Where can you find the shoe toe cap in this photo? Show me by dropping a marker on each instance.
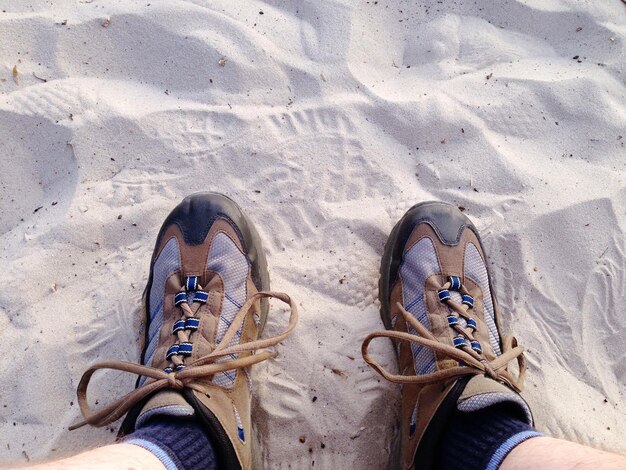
(197, 212)
(447, 220)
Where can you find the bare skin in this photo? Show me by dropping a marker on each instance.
(547, 452)
(112, 457)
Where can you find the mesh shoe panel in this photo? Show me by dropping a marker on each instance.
(232, 265)
(165, 265)
(419, 263)
(476, 270)
(485, 400)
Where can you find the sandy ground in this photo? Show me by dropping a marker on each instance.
(325, 121)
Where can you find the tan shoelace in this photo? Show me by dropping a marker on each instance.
(475, 363)
(186, 378)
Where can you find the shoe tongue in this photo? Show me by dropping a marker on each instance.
(168, 403)
(482, 392)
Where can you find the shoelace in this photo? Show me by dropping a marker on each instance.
(187, 376)
(466, 350)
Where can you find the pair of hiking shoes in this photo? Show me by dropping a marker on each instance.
(206, 304)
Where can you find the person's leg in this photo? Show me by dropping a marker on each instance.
(162, 442)
(178, 442)
(495, 438)
(111, 457)
(557, 454)
(461, 406)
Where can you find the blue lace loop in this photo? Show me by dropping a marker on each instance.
(468, 300)
(171, 351)
(459, 342)
(444, 294)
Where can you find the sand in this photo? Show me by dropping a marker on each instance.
(325, 121)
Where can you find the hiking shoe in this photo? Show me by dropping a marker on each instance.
(438, 307)
(205, 306)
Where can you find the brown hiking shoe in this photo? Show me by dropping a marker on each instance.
(205, 306)
(438, 306)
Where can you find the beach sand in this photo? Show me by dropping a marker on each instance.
(325, 121)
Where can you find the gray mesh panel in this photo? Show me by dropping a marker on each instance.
(476, 270)
(419, 263)
(484, 400)
(168, 410)
(227, 259)
(165, 265)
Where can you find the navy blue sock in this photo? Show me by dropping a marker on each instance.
(178, 442)
(481, 439)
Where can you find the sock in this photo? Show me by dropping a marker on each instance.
(178, 442)
(481, 439)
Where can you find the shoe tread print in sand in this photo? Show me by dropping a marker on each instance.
(206, 307)
(437, 304)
